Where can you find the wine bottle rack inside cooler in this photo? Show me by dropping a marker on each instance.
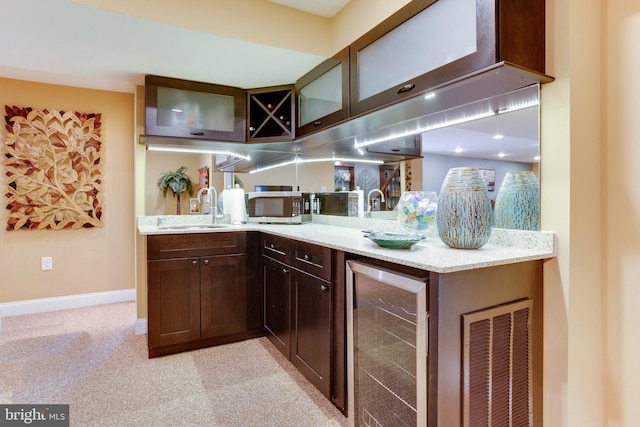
(387, 338)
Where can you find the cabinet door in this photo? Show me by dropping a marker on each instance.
(277, 288)
(311, 329)
(187, 109)
(223, 295)
(423, 45)
(323, 95)
(173, 301)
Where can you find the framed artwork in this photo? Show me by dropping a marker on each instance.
(203, 177)
(53, 164)
(489, 176)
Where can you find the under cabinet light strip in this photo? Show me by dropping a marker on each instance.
(323, 159)
(199, 150)
(508, 109)
(426, 129)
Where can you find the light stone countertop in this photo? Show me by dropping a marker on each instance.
(345, 234)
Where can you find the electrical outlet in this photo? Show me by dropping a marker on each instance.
(47, 263)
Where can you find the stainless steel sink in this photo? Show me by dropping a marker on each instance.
(192, 226)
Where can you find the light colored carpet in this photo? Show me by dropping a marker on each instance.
(91, 359)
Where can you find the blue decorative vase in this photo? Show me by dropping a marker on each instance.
(464, 215)
(518, 202)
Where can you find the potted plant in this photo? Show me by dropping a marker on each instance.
(178, 182)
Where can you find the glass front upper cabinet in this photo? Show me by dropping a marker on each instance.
(185, 109)
(323, 95)
(429, 43)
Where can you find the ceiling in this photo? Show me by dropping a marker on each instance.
(67, 43)
(63, 42)
(326, 8)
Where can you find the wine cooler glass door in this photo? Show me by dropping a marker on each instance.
(387, 354)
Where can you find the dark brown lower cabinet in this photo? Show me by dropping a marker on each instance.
(484, 338)
(197, 291)
(485, 347)
(311, 310)
(223, 308)
(298, 305)
(277, 290)
(174, 301)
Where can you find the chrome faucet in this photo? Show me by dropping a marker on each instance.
(202, 190)
(213, 204)
(369, 201)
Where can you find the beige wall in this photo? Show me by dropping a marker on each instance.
(590, 148)
(571, 177)
(85, 260)
(621, 213)
(308, 176)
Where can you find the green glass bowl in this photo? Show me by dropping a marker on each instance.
(391, 240)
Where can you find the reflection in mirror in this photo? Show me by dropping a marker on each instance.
(498, 144)
(506, 140)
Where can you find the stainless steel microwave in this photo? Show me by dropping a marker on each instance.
(341, 203)
(279, 207)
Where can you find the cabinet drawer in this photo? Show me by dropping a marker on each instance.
(196, 244)
(311, 258)
(276, 247)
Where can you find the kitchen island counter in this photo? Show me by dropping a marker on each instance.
(345, 234)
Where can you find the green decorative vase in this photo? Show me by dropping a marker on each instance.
(465, 216)
(518, 202)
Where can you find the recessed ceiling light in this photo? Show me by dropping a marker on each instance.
(501, 154)
(458, 150)
(498, 136)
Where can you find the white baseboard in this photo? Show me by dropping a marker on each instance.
(62, 303)
(141, 326)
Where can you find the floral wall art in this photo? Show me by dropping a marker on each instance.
(53, 167)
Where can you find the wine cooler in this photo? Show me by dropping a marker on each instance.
(387, 338)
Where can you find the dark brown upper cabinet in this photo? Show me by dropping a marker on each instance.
(323, 95)
(194, 110)
(271, 114)
(430, 43)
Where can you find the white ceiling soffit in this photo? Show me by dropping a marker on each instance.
(61, 42)
(326, 8)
